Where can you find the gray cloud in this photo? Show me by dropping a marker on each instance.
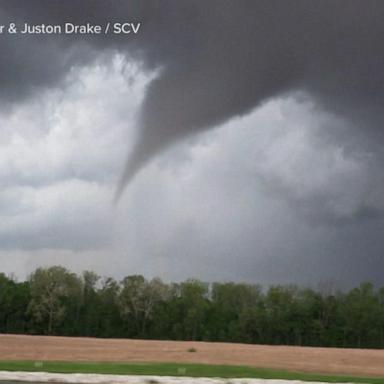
(217, 60)
(319, 172)
(60, 153)
(244, 204)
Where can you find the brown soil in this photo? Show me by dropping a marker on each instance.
(320, 360)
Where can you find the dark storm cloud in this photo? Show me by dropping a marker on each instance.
(216, 60)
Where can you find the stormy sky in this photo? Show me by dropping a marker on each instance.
(227, 140)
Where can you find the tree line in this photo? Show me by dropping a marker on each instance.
(56, 301)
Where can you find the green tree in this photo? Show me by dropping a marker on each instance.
(190, 308)
(49, 289)
(138, 298)
(110, 323)
(361, 312)
(90, 304)
(229, 303)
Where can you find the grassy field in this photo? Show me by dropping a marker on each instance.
(170, 369)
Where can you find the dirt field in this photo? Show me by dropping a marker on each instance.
(320, 360)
